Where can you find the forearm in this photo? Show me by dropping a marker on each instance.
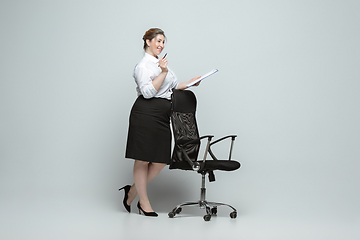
(158, 81)
(182, 85)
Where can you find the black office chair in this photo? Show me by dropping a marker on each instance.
(186, 150)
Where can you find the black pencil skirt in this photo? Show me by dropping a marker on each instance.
(149, 134)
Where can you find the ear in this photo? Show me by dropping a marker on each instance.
(148, 42)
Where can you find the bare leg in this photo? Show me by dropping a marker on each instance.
(140, 178)
(154, 169)
(144, 172)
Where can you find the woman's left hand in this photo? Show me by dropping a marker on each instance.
(194, 79)
(183, 85)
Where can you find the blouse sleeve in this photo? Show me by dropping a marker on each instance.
(143, 78)
(174, 83)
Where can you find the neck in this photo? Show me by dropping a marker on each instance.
(150, 53)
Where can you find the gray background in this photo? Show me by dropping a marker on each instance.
(287, 85)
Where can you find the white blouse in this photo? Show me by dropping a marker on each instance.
(146, 71)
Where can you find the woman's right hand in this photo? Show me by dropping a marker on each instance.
(163, 64)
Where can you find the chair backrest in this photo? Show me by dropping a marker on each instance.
(184, 125)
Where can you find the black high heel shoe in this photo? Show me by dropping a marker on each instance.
(149, 214)
(126, 189)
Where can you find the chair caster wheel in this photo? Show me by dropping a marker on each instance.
(214, 211)
(171, 214)
(178, 210)
(207, 217)
(233, 214)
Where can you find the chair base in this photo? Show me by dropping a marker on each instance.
(210, 207)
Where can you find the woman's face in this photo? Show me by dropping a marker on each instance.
(156, 45)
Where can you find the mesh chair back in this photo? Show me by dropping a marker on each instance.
(184, 125)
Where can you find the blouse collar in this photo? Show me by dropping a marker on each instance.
(152, 58)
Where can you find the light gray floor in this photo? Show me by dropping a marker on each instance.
(81, 217)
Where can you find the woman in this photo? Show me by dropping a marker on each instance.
(149, 135)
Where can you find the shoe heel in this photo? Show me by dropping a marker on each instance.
(126, 190)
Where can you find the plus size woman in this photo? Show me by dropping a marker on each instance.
(149, 134)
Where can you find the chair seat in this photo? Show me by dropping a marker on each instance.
(223, 165)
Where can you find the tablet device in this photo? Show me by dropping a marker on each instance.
(202, 77)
